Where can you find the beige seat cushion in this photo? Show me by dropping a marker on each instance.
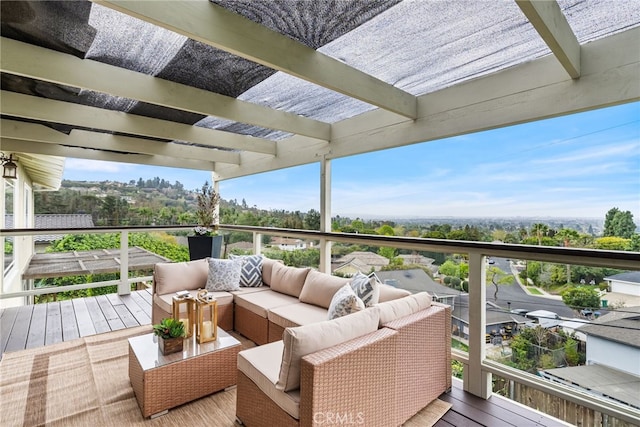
(389, 293)
(170, 277)
(262, 365)
(395, 309)
(303, 340)
(261, 302)
(165, 302)
(288, 280)
(319, 288)
(297, 315)
(249, 290)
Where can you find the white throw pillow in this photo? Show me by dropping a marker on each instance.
(224, 275)
(307, 339)
(366, 288)
(344, 302)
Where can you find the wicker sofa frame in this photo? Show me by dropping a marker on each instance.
(379, 379)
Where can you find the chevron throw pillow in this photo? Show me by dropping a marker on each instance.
(251, 272)
(366, 288)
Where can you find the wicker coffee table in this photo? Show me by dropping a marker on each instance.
(163, 382)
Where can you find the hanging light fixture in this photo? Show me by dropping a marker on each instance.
(9, 167)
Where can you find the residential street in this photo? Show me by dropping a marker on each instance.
(520, 299)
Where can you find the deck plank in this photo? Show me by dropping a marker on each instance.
(18, 338)
(142, 302)
(98, 320)
(69, 321)
(53, 331)
(36, 337)
(125, 315)
(113, 319)
(136, 311)
(509, 416)
(83, 318)
(6, 325)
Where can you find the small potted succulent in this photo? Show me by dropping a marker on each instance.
(206, 242)
(170, 333)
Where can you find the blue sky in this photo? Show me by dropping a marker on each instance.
(574, 166)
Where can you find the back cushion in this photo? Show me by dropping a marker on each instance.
(288, 280)
(307, 339)
(395, 309)
(267, 269)
(388, 292)
(177, 276)
(319, 288)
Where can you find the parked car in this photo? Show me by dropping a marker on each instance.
(542, 314)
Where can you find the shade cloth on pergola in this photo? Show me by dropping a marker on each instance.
(59, 264)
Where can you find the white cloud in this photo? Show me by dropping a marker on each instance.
(93, 166)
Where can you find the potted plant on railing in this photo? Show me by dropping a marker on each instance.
(206, 242)
(170, 333)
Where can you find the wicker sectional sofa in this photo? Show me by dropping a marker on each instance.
(375, 367)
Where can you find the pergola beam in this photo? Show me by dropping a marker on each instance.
(22, 146)
(38, 63)
(216, 26)
(48, 110)
(104, 141)
(549, 21)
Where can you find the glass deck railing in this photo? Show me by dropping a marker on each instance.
(481, 348)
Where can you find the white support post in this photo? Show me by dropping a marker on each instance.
(476, 381)
(215, 183)
(257, 243)
(325, 214)
(123, 287)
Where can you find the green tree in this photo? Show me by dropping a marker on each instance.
(581, 297)
(312, 220)
(634, 243)
(539, 230)
(497, 277)
(612, 243)
(449, 268)
(619, 224)
(567, 236)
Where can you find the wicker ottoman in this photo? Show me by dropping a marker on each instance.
(164, 382)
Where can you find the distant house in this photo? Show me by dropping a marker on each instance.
(625, 283)
(288, 244)
(614, 340)
(364, 262)
(612, 369)
(416, 259)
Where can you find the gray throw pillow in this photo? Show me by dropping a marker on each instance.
(251, 272)
(366, 288)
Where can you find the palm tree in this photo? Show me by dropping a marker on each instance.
(567, 235)
(539, 230)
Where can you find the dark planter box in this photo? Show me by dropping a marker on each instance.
(170, 345)
(204, 247)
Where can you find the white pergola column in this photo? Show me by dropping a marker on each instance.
(123, 287)
(325, 214)
(476, 381)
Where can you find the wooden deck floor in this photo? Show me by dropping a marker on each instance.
(43, 324)
(36, 325)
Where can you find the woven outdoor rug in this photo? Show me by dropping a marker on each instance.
(85, 382)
